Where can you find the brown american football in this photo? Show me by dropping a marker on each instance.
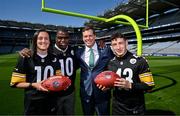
(106, 78)
(56, 83)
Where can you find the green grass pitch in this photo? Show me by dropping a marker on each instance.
(164, 99)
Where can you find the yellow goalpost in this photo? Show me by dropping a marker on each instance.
(129, 20)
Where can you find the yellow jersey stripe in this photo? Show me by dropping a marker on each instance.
(147, 78)
(18, 74)
(145, 74)
(16, 79)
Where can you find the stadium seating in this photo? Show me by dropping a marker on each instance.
(166, 19)
(172, 49)
(160, 38)
(17, 49)
(5, 49)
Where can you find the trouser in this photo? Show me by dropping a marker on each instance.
(65, 104)
(43, 106)
(119, 108)
(89, 107)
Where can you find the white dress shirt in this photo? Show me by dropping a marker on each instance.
(87, 54)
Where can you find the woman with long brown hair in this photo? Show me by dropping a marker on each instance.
(30, 72)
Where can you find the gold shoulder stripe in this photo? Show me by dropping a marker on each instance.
(15, 79)
(145, 74)
(147, 78)
(150, 83)
(18, 74)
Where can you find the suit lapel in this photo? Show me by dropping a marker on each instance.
(82, 55)
(100, 55)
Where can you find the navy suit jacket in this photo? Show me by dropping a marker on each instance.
(88, 89)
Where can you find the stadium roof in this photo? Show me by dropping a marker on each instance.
(133, 8)
(31, 26)
(137, 10)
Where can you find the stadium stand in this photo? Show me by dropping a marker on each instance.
(156, 47)
(162, 36)
(172, 49)
(5, 49)
(17, 35)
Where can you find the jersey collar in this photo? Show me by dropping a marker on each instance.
(61, 49)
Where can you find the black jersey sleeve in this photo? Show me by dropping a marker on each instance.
(19, 73)
(111, 66)
(145, 76)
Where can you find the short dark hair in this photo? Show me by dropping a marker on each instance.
(117, 35)
(64, 30)
(89, 28)
(34, 41)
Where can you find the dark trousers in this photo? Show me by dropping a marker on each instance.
(89, 107)
(121, 109)
(44, 106)
(65, 104)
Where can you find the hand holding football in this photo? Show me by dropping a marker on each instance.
(106, 78)
(56, 83)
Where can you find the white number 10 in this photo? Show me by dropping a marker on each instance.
(46, 70)
(67, 66)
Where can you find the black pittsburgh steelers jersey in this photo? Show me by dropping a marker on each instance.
(68, 65)
(35, 69)
(136, 70)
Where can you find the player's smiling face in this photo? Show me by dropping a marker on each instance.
(62, 39)
(89, 38)
(43, 41)
(119, 46)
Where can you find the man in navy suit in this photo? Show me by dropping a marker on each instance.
(93, 60)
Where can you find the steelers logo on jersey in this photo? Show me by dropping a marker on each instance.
(133, 61)
(72, 52)
(54, 60)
